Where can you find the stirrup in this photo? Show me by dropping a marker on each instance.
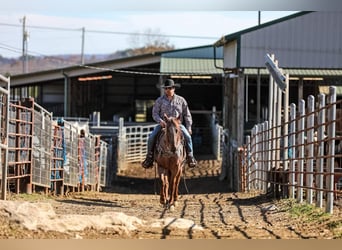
(148, 162)
(192, 162)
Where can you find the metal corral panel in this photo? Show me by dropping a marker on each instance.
(41, 148)
(313, 40)
(70, 155)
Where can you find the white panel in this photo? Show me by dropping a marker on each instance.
(230, 55)
(313, 40)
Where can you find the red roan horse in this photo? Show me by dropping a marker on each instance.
(170, 156)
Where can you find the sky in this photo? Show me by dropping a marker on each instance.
(55, 27)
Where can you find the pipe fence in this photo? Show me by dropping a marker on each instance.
(300, 158)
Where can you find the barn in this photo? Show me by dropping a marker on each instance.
(309, 49)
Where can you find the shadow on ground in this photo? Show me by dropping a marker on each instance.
(199, 185)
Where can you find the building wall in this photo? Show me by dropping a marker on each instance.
(313, 40)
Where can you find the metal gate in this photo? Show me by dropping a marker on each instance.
(132, 140)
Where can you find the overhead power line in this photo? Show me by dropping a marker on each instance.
(109, 32)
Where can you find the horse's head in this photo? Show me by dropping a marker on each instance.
(173, 132)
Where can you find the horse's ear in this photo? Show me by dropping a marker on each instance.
(177, 115)
(166, 117)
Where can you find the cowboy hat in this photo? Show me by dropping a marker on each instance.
(170, 83)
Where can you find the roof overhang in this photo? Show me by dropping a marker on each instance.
(81, 70)
(298, 72)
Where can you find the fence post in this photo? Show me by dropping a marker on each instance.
(301, 125)
(330, 161)
(266, 154)
(292, 151)
(253, 157)
(249, 162)
(263, 157)
(310, 145)
(320, 153)
(122, 144)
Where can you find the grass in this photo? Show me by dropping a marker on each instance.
(311, 214)
(29, 197)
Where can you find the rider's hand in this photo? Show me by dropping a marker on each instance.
(162, 123)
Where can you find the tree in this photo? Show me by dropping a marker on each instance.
(148, 42)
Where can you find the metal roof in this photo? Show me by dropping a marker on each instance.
(195, 61)
(190, 66)
(298, 72)
(79, 70)
(235, 36)
(305, 40)
(195, 52)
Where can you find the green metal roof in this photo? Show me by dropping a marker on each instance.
(190, 66)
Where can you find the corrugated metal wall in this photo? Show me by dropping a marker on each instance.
(313, 40)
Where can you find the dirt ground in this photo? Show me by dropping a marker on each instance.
(206, 210)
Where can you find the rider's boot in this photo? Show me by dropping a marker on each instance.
(191, 161)
(148, 162)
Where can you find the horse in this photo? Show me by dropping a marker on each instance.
(170, 156)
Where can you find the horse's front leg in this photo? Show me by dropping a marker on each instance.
(164, 190)
(174, 189)
(177, 181)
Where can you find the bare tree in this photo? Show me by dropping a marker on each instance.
(149, 41)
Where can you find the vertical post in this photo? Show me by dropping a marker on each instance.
(292, 150)
(310, 147)
(274, 124)
(301, 127)
(266, 154)
(258, 81)
(4, 140)
(263, 158)
(258, 96)
(320, 153)
(330, 161)
(122, 147)
(82, 52)
(253, 158)
(247, 99)
(286, 137)
(24, 44)
(270, 118)
(278, 126)
(257, 156)
(286, 124)
(249, 162)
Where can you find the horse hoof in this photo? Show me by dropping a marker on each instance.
(175, 203)
(172, 208)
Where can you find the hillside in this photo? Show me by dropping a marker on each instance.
(14, 66)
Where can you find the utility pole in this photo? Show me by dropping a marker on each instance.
(258, 82)
(82, 52)
(25, 40)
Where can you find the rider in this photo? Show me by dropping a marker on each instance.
(171, 105)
